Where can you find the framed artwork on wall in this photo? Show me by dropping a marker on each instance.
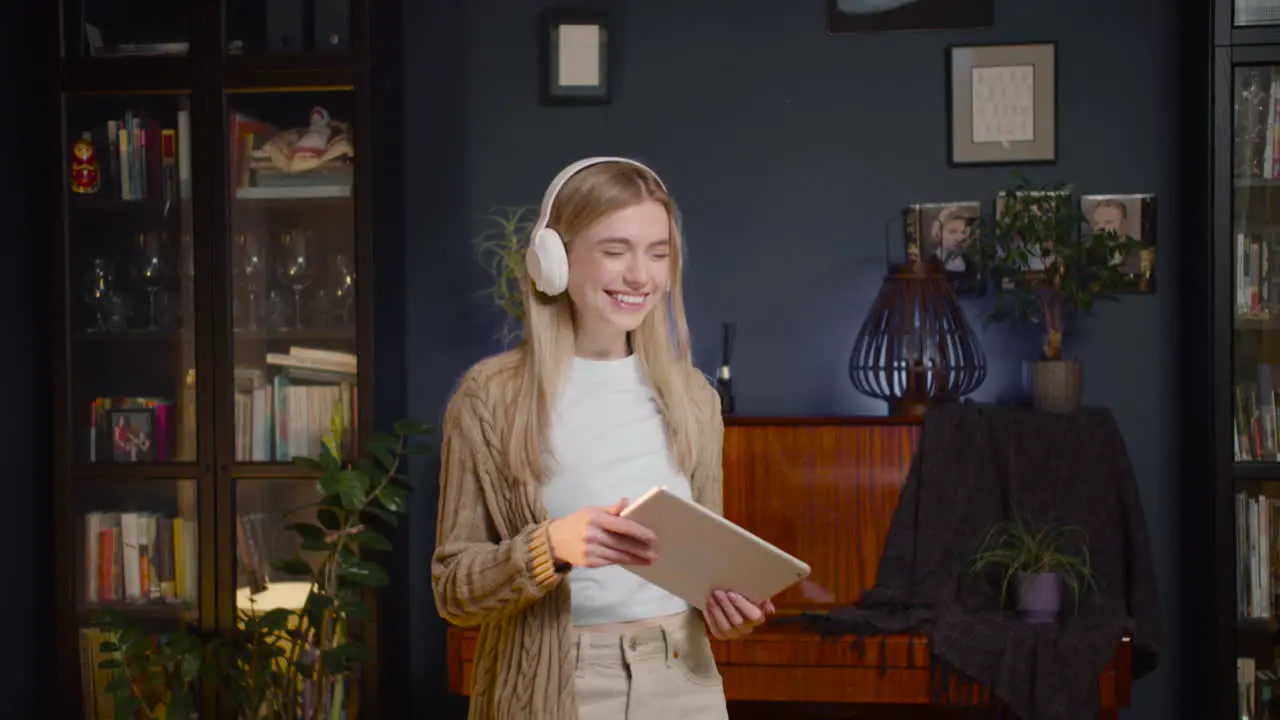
(1132, 217)
(573, 62)
(1002, 104)
(866, 16)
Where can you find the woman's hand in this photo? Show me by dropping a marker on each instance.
(597, 536)
(731, 616)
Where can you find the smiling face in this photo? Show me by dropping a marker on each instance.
(619, 269)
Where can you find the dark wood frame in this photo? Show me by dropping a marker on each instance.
(548, 22)
(940, 15)
(950, 107)
(207, 74)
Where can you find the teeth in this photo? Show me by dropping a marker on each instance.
(628, 299)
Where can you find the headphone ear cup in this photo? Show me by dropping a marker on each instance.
(547, 262)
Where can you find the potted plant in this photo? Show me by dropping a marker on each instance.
(1038, 562)
(290, 662)
(1047, 267)
(500, 248)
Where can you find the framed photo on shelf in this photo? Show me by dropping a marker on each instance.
(942, 230)
(1132, 216)
(132, 435)
(868, 16)
(1002, 103)
(573, 61)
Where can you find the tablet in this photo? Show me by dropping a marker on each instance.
(699, 551)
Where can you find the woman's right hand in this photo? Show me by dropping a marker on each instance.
(597, 536)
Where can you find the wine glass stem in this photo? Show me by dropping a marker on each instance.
(151, 306)
(297, 309)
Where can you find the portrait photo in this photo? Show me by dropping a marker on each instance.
(1040, 254)
(132, 434)
(1132, 217)
(942, 231)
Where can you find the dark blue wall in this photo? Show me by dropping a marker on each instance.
(789, 151)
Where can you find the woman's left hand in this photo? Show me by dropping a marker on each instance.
(731, 616)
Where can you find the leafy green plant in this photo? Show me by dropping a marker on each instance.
(291, 663)
(500, 248)
(1044, 265)
(1014, 546)
(151, 676)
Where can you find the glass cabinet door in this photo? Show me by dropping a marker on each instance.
(1255, 13)
(289, 27)
(293, 265)
(125, 28)
(131, 279)
(1255, 246)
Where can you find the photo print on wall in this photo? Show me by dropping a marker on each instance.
(942, 230)
(1131, 216)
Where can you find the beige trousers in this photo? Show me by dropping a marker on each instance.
(660, 672)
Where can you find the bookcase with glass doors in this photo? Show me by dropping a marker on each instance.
(211, 225)
(1230, 320)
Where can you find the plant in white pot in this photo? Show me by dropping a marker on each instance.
(1040, 563)
(1046, 268)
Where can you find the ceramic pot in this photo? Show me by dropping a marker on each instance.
(1054, 385)
(1039, 596)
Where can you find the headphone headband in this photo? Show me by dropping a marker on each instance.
(549, 198)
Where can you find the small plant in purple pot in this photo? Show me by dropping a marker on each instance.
(1038, 562)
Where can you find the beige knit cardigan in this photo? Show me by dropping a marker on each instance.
(492, 567)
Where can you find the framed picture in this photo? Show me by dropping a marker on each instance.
(864, 16)
(1003, 104)
(941, 231)
(573, 63)
(1040, 256)
(132, 434)
(1132, 216)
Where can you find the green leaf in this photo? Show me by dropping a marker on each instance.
(110, 664)
(394, 498)
(308, 464)
(385, 453)
(390, 518)
(363, 572)
(276, 619)
(294, 566)
(329, 518)
(371, 540)
(331, 482)
(335, 659)
(355, 609)
(411, 427)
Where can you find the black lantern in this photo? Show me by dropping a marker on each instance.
(915, 348)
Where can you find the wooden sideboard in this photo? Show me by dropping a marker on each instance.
(825, 490)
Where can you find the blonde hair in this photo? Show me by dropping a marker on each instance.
(661, 342)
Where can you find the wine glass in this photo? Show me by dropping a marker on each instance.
(250, 270)
(152, 268)
(344, 287)
(295, 268)
(99, 290)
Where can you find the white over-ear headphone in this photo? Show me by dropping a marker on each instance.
(546, 259)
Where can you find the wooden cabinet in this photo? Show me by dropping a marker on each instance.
(210, 235)
(825, 490)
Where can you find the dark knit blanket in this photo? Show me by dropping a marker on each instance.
(977, 465)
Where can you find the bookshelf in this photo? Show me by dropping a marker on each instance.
(211, 223)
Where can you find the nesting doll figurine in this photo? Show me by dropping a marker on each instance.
(86, 177)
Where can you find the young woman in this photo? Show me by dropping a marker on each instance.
(543, 446)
